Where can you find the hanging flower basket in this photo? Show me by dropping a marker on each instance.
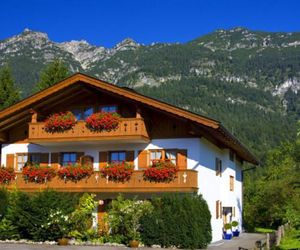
(161, 171)
(60, 122)
(75, 172)
(117, 171)
(38, 174)
(103, 121)
(6, 175)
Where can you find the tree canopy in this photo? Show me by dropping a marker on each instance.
(53, 73)
(9, 93)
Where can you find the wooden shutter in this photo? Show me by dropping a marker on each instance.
(10, 161)
(233, 211)
(221, 209)
(103, 159)
(44, 159)
(143, 159)
(217, 209)
(182, 158)
(218, 167)
(130, 157)
(78, 156)
(55, 160)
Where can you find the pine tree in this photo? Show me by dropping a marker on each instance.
(9, 94)
(53, 73)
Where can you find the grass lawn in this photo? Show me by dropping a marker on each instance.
(264, 230)
(291, 240)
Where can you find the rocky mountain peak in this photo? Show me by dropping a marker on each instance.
(127, 44)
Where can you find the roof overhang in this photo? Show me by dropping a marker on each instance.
(22, 109)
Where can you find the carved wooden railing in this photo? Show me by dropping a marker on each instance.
(186, 181)
(128, 128)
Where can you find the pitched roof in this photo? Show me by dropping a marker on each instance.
(214, 127)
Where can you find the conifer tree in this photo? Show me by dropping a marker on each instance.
(53, 73)
(9, 94)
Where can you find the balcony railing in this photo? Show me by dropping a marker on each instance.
(129, 128)
(186, 181)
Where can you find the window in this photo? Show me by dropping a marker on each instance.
(231, 183)
(231, 155)
(21, 161)
(35, 158)
(155, 155)
(68, 158)
(117, 156)
(109, 108)
(218, 167)
(83, 113)
(218, 209)
(171, 156)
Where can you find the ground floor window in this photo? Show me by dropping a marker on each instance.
(21, 161)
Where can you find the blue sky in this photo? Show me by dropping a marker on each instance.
(107, 22)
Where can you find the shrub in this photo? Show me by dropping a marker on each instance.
(103, 121)
(6, 175)
(41, 216)
(8, 231)
(60, 122)
(38, 174)
(182, 221)
(4, 196)
(161, 171)
(75, 172)
(118, 171)
(124, 218)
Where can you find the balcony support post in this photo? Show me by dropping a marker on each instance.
(138, 112)
(33, 116)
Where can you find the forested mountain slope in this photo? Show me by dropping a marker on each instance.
(249, 80)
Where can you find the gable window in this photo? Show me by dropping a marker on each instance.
(218, 167)
(83, 113)
(117, 156)
(68, 158)
(171, 156)
(231, 183)
(109, 108)
(21, 161)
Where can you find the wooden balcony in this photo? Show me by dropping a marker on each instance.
(186, 181)
(133, 129)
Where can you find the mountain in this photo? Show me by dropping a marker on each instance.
(250, 80)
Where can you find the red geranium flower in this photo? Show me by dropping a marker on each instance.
(38, 174)
(6, 175)
(103, 121)
(161, 171)
(118, 171)
(60, 122)
(75, 172)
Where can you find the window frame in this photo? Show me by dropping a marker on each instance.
(231, 183)
(61, 162)
(113, 152)
(19, 169)
(218, 166)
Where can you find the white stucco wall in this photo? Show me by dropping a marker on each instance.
(201, 157)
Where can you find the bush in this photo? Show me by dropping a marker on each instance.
(41, 216)
(182, 221)
(3, 202)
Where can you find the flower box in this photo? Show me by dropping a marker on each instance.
(75, 172)
(60, 122)
(117, 171)
(6, 175)
(161, 171)
(103, 121)
(38, 174)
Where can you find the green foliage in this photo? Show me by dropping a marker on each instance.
(8, 231)
(272, 193)
(291, 240)
(81, 218)
(234, 223)
(9, 94)
(124, 218)
(53, 73)
(41, 216)
(3, 202)
(182, 221)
